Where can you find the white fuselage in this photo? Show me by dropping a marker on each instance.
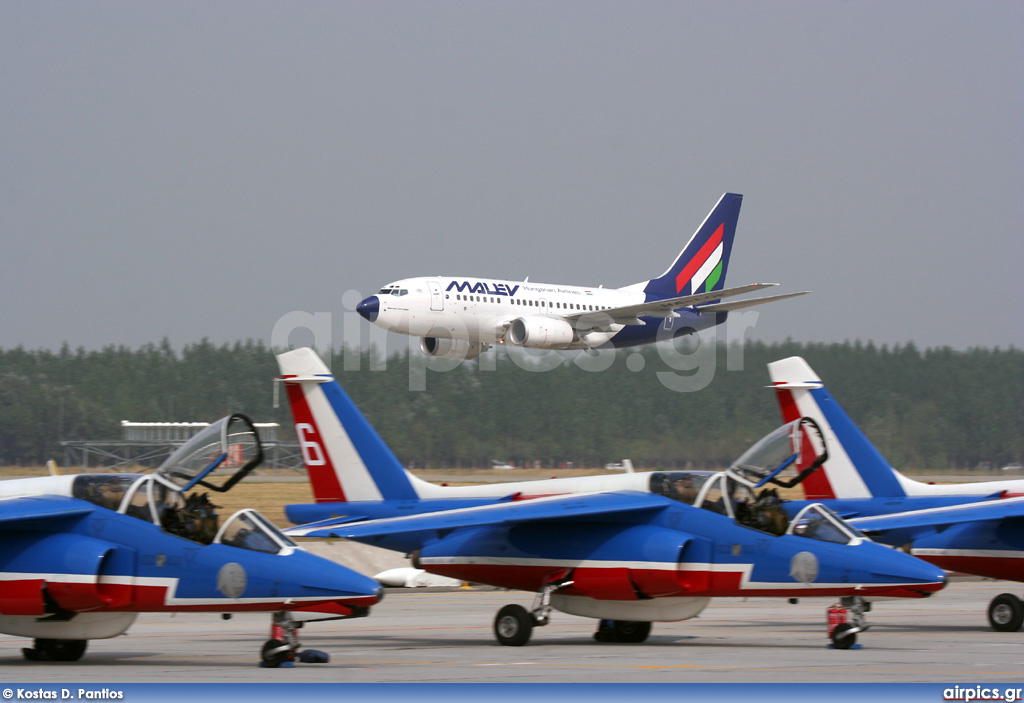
(479, 310)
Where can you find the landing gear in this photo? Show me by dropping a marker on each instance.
(1006, 613)
(514, 624)
(622, 631)
(282, 649)
(55, 650)
(846, 620)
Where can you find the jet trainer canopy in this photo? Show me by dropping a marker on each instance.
(797, 444)
(229, 443)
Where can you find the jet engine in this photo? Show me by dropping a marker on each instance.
(444, 348)
(541, 332)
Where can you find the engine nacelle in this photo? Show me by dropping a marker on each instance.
(89, 560)
(444, 348)
(539, 332)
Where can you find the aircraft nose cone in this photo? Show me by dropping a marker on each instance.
(369, 308)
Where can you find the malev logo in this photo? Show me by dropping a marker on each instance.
(482, 288)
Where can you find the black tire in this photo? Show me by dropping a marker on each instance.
(633, 632)
(513, 626)
(1006, 613)
(271, 660)
(839, 641)
(58, 650)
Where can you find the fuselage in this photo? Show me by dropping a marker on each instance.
(481, 311)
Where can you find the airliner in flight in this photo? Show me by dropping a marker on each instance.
(458, 318)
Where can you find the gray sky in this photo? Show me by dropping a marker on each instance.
(199, 169)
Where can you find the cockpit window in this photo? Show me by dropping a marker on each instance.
(104, 490)
(679, 485)
(137, 503)
(818, 522)
(714, 498)
(762, 511)
(247, 529)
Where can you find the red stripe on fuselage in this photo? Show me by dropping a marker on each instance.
(153, 599)
(697, 261)
(322, 477)
(720, 583)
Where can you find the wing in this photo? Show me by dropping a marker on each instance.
(916, 520)
(33, 511)
(630, 314)
(580, 505)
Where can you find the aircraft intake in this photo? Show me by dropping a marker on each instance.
(539, 332)
(444, 348)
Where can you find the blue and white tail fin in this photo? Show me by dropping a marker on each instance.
(855, 468)
(702, 264)
(345, 457)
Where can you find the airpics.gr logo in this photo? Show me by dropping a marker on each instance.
(705, 267)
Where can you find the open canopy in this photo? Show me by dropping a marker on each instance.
(217, 458)
(797, 445)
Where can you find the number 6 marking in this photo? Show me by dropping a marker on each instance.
(312, 452)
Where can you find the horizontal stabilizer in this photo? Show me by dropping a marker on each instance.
(628, 314)
(1005, 509)
(740, 304)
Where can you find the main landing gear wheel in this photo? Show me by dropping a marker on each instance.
(842, 638)
(513, 626)
(1006, 613)
(622, 631)
(56, 650)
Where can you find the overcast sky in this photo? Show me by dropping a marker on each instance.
(200, 169)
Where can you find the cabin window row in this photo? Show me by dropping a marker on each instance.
(529, 303)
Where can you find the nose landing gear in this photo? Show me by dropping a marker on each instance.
(845, 620)
(282, 649)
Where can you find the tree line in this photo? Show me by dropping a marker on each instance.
(932, 408)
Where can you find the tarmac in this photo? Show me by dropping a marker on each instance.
(438, 635)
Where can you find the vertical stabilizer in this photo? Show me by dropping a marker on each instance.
(855, 468)
(701, 265)
(345, 457)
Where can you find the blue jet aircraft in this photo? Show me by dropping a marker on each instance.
(975, 528)
(628, 550)
(83, 555)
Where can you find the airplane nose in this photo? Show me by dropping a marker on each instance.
(369, 308)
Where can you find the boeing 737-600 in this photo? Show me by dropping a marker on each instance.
(458, 318)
